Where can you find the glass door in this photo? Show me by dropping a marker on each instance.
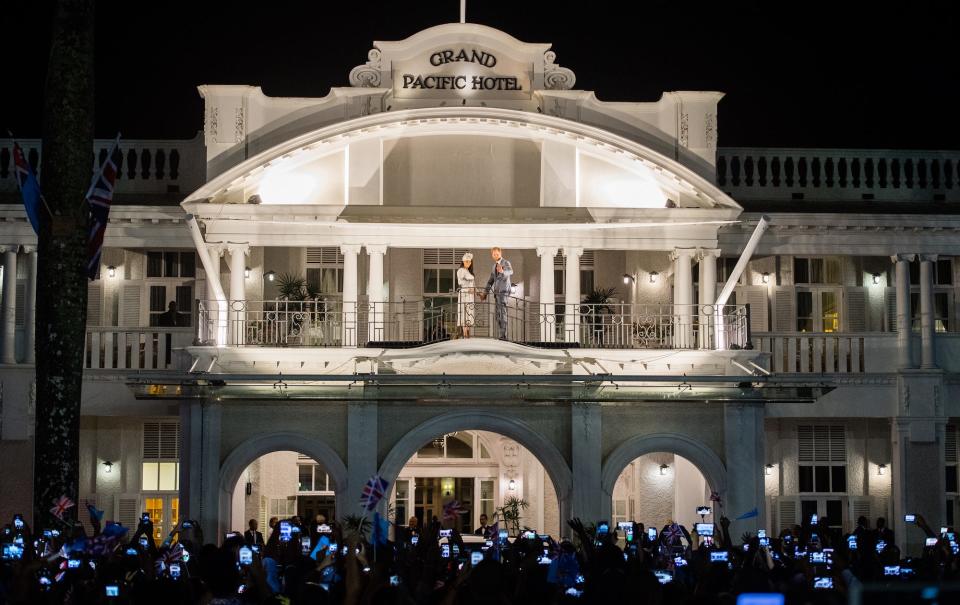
(164, 511)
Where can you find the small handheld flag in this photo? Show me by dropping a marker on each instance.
(452, 510)
(373, 492)
(60, 506)
(29, 187)
(715, 497)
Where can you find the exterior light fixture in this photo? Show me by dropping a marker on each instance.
(246, 272)
(876, 278)
(108, 466)
(765, 278)
(270, 275)
(663, 468)
(627, 279)
(112, 271)
(653, 277)
(512, 486)
(881, 469)
(767, 470)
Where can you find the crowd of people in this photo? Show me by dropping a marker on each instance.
(351, 562)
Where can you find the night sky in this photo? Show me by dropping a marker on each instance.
(796, 74)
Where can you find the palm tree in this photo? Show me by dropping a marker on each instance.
(595, 304)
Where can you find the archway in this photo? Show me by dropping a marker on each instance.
(694, 458)
(254, 448)
(542, 450)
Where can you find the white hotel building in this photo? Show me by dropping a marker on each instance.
(826, 382)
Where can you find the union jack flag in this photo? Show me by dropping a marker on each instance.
(60, 506)
(373, 492)
(451, 510)
(99, 198)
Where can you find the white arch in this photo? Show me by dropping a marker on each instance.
(546, 452)
(249, 450)
(477, 121)
(700, 455)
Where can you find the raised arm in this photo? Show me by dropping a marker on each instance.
(507, 268)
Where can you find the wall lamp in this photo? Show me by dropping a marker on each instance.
(765, 278)
(270, 275)
(768, 469)
(628, 279)
(881, 469)
(246, 272)
(663, 468)
(111, 271)
(876, 279)
(653, 277)
(108, 466)
(512, 485)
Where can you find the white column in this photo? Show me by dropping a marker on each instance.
(708, 295)
(29, 306)
(571, 296)
(904, 329)
(8, 313)
(377, 307)
(210, 304)
(928, 357)
(350, 294)
(586, 430)
(548, 320)
(237, 305)
(682, 298)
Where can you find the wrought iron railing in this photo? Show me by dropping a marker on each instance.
(335, 323)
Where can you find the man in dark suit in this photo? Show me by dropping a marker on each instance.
(252, 537)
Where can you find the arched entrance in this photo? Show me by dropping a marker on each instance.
(236, 463)
(457, 423)
(683, 458)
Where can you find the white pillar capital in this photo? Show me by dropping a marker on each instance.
(9, 248)
(350, 249)
(216, 249)
(928, 258)
(569, 252)
(29, 249)
(682, 253)
(903, 258)
(547, 251)
(708, 253)
(375, 248)
(234, 248)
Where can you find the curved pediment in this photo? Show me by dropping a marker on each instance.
(474, 157)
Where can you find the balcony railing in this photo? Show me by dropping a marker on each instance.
(335, 323)
(137, 348)
(773, 174)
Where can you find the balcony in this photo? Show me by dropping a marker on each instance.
(412, 323)
(152, 348)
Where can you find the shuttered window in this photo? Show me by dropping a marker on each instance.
(951, 456)
(324, 271)
(822, 458)
(160, 470)
(587, 260)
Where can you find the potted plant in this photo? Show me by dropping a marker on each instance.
(511, 513)
(593, 307)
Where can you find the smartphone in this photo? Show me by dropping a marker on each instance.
(132, 552)
(909, 518)
(475, 557)
(111, 591)
(719, 556)
(704, 529)
(881, 544)
(529, 535)
(332, 549)
(663, 576)
(305, 545)
(629, 533)
(679, 562)
(445, 551)
(761, 533)
(245, 555)
(18, 521)
(814, 519)
(323, 528)
(394, 580)
(931, 541)
(746, 547)
(47, 533)
(73, 564)
(285, 531)
(175, 571)
(852, 543)
(186, 525)
(603, 528)
(144, 542)
(652, 533)
(944, 530)
(573, 592)
(823, 583)
(446, 533)
(891, 570)
(414, 540)
(765, 542)
(456, 551)
(502, 535)
(145, 518)
(487, 545)
(818, 558)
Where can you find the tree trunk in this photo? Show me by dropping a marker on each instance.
(61, 276)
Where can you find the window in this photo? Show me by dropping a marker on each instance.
(171, 263)
(822, 459)
(941, 310)
(951, 456)
(816, 270)
(487, 498)
(439, 276)
(942, 272)
(162, 314)
(313, 478)
(160, 476)
(455, 445)
(401, 501)
(818, 310)
(160, 469)
(283, 507)
(325, 271)
(725, 266)
(586, 274)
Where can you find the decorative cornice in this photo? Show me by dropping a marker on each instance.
(554, 76)
(368, 74)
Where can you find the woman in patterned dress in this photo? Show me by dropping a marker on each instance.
(466, 284)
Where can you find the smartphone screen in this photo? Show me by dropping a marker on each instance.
(285, 531)
(475, 557)
(910, 518)
(305, 545)
(446, 533)
(245, 555)
(111, 591)
(445, 551)
(174, 570)
(414, 540)
(652, 533)
(603, 528)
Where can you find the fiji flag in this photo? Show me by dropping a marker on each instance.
(29, 187)
(99, 198)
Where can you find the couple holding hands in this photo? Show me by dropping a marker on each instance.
(499, 283)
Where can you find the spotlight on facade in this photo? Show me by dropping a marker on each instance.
(768, 470)
(876, 279)
(246, 272)
(270, 275)
(107, 466)
(653, 277)
(663, 468)
(881, 469)
(512, 485)
(112, 271)
(627, 279)
(766, 277)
